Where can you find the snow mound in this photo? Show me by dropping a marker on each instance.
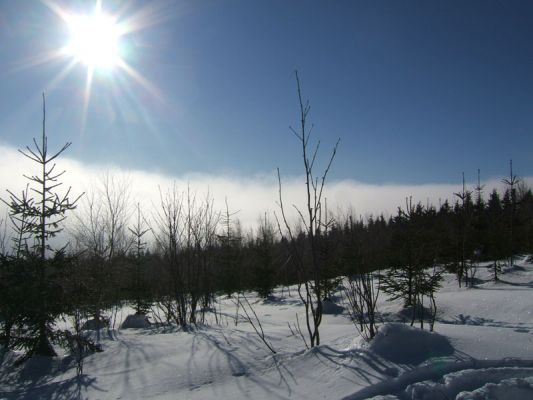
(508, 389)
(136, 321)
(329, 307)
(404, 344)
(477, 384)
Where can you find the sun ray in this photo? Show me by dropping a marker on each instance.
(121, 86)
(145, 83)
(38, 60)
(86, 99)
(62, 75)
(56, 9)
(150, 15)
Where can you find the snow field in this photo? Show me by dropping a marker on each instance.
(482, 348)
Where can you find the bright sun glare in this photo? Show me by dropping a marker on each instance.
(94, 40)
(97, 40)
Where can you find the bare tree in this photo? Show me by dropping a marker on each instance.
(101, 234)
(363, 288)
(168, 231)
(313, 219)
(198, 235)
(115, 194)
(203, 229)
(185, 234)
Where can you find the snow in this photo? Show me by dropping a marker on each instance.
(508, 389)
(474, 384)
(482, 348)
(416, 345)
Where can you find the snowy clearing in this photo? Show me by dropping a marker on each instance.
(482, 348)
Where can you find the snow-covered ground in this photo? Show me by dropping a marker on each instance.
(482, 349)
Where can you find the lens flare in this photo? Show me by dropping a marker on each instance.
(94, 40)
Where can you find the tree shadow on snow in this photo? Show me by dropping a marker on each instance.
(462, 319)
(229, 360)
(35, 380)
(68, 389)
(274, 300)
(356, 361)
(517, 284)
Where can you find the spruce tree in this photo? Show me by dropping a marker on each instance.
(40, 217)
(510, 203)
(495, 234)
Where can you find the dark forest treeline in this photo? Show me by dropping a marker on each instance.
(198, 254)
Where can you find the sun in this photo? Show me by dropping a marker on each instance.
(102, 43)
(94, 39)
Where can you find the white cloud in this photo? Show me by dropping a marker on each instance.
(250, 196)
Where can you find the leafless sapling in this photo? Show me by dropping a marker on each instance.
(313, 219)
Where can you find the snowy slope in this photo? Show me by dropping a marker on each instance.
(482, 348)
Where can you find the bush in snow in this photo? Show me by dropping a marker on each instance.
(136, 321)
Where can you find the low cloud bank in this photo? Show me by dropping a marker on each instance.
(250, 197)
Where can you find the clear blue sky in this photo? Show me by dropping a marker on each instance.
(417, 91)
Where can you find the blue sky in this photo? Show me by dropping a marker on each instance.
(417, 91)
